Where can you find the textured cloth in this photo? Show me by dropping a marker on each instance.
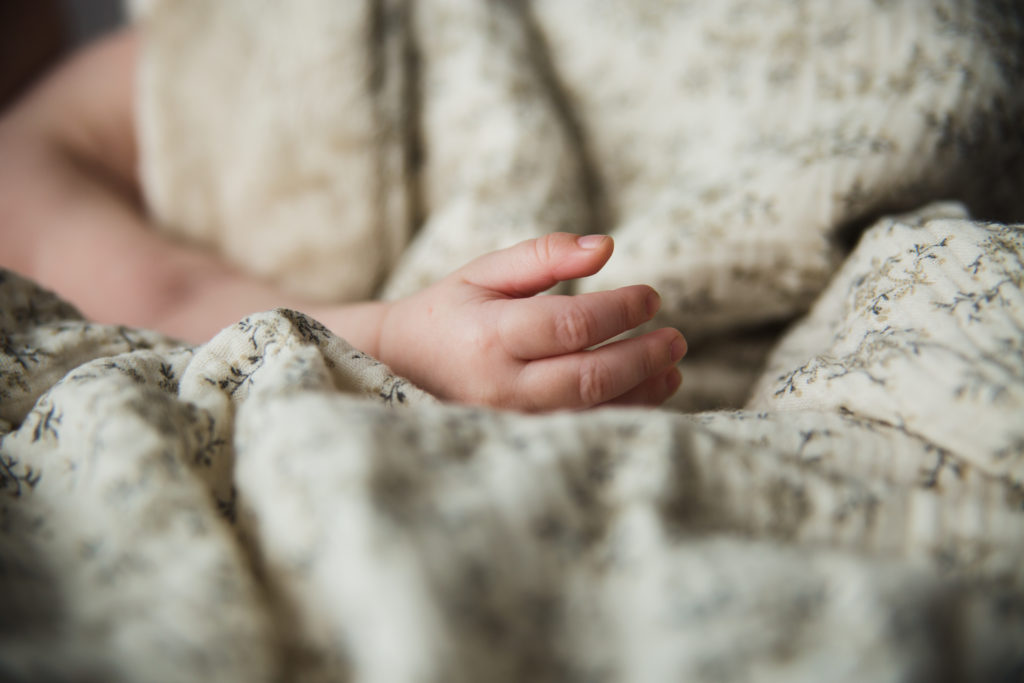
(276, 505)
(733, 148)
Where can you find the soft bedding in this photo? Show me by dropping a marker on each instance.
(836, 494)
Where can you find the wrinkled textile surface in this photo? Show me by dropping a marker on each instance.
(275, 505)
(733, 148)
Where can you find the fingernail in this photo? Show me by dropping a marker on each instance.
(678, 349)
(653, 303)
(591, 241)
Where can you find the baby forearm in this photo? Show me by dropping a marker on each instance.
(71, 220)
(67, 227)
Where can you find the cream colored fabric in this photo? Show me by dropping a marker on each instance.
(924, 331)
(265, 127)
(732, 148)
(275, 505)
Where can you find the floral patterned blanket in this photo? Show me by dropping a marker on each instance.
(836, 494)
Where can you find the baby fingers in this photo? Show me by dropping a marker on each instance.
(546, 326)
(588, 378)
(653, 391)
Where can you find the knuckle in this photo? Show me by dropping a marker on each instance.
(630, 310)
(476, 341)
(550, 248)
(574, 328)
(595, 381)
(655, 358)
(543, 249)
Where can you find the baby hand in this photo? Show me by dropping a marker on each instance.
(480, 335)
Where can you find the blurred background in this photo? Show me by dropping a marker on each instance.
(35, 34)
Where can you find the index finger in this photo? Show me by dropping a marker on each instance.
(535, 265)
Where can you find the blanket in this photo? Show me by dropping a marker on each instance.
(836, 494)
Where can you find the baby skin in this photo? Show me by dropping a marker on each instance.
(70, 218)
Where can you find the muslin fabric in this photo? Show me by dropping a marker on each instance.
(835, 493)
